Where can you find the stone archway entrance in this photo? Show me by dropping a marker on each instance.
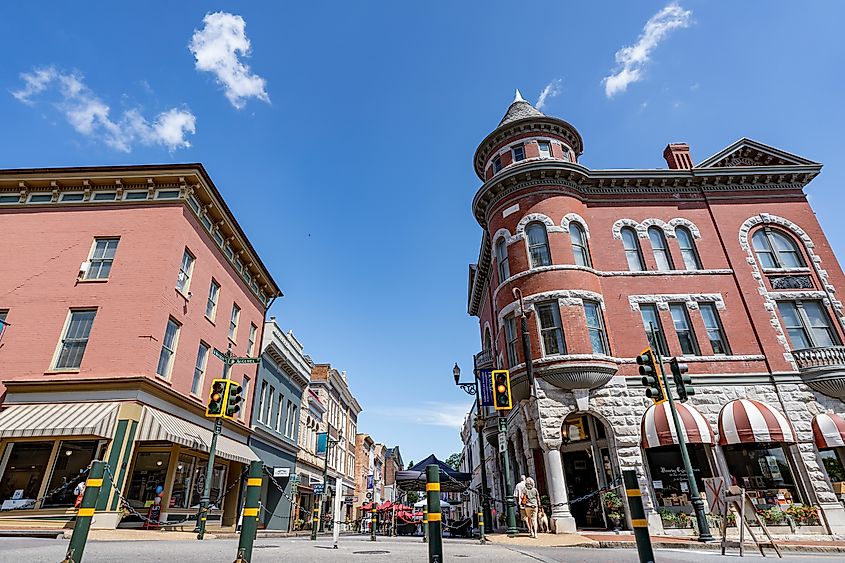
(588, 465)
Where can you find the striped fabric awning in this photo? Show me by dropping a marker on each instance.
(829, 430)
(58, 419)
(157, 425)
(746, 421)
(658, 428)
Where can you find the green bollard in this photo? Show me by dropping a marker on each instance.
(435, 533)
(638, 519)
(373, 523)
(251, 512)
(85, 513)
(481, 527)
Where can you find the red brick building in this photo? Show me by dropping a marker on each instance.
(116, 285)
(724, 257)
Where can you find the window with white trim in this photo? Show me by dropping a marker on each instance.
(807, 324)
(3, 314)
(101, 258)
(233, 322)
(262, 400)
(199, 368)
(688, 250)
(168, 349)
(595, 327)
(502, 260)
(279, 412)
(551, 333)
(245, 395)
(510, 340)
(213, 296)
(186, 268)
(269, 412)
(538, 244)
(660, 249)
(579, 244)
(633, 251)
(683, 327)
(75, 339)
(290, 420)
(497, 164)
(776, 249)
(652, 318)
(715, 330)
(518, 152)
(545, 148)
(250, 348)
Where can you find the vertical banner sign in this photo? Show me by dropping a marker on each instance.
(370, 481)
(486, 384)
(322, 443)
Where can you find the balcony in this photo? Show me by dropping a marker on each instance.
(575, 372)
(823, 369)
(484, 360)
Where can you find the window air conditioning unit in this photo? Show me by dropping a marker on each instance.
(83, 269)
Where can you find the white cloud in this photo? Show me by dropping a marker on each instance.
(427, 413)
(632, 59)
(90, 116)
(551, 90)
(217, 48)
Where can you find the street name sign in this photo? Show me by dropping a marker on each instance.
(245, 360)
(220, 354)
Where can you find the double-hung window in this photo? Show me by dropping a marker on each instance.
(497, 164)
(633, 252)
(518, 152)
(183, 280)
(510, 338)
(683, 327)
(545, 149)
(550, 330)
(538, 244)
(688, 250)
(168, 349)
(502, 260)
(75, 339)
(652, 319)
(807, 324)
(250, 348)
(595, 327)
(279, 413)
(660, 249)
(199, 368)
(579, 245)
(213, 296)
(715, 331)
(102, 256)
(776, 250)
(290, 420)
(233, 321)
(269, 412)
(262, 400)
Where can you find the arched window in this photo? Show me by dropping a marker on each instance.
(538, 244)
(688, 250)
(775, 249)
(579, 244)
(660, 249)
(488, 341)
(633, 252)
(502, 259)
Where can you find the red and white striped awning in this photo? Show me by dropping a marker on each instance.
(746, 421)
(658, 428)
(829, 431)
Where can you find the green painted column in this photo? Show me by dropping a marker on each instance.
(85, 513)
(251, 513)
(113, 462)
(435, 527)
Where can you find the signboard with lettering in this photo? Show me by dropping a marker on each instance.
(502, 442)
(245, 360)
(319, 488)
(485, 384)
(281, 472)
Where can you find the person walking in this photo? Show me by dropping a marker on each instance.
(531, 500)
(518, 492)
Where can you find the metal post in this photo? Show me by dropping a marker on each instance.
(318, 504)
(432, 492)
(704, 534)
(638, 519)
(338, 486)
(85, 513)
(510, 501)
(251, 512)
(485, 491)
(526, 350)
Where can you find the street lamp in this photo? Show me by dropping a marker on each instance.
(472, 389)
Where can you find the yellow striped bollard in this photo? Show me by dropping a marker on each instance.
(251, 512)
(638, 519)
(481, 527)
(85, 513)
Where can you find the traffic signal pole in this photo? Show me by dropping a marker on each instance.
(704, 534)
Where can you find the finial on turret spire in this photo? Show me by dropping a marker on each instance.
(518, 96)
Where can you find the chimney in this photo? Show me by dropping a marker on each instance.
(677, 156)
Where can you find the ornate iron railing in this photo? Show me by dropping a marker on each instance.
(809, 358)
(484, 359)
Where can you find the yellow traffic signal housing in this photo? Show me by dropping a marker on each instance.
(502, 399)
(216, 396)
(652, 374)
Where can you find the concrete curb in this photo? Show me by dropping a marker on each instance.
(716, 546)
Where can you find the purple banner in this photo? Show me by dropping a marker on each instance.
(485, 384)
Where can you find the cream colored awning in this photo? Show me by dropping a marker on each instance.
(157, 425)
(58, 419)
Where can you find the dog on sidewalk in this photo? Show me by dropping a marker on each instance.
(542, 521)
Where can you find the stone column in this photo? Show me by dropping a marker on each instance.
(562, 517)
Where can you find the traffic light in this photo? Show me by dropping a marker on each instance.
(683, 381)
(502, 390)
(652, 380)
(214, 409)
(233, 399)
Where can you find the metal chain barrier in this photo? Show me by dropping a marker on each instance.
(124, 502)
(31, 503)
(296, 504)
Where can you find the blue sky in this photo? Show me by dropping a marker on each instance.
(345, 147)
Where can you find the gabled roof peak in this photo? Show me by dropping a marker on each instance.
(748, 152)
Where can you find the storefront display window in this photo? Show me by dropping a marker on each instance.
(182, 483)
(669, 478)
(763, 470)
(833, 465)
(25, 466)
(218, 482)
(148, 473)
(72, 459)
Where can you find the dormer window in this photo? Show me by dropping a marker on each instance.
(545, 149)
(497, 164)
(518, 153)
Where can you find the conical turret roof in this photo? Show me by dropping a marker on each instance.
(519, 109)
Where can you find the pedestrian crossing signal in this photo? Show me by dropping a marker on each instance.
(214, 409)
(502, 400)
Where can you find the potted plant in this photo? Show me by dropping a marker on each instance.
(613, 509)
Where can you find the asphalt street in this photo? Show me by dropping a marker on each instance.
(350, 549)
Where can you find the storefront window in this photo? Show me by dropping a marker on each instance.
(26, 464)
(669, 478)
(72, 459)
(183, 481)
(763, 471)
(833, 465)
(218, 482)
(149, 472)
